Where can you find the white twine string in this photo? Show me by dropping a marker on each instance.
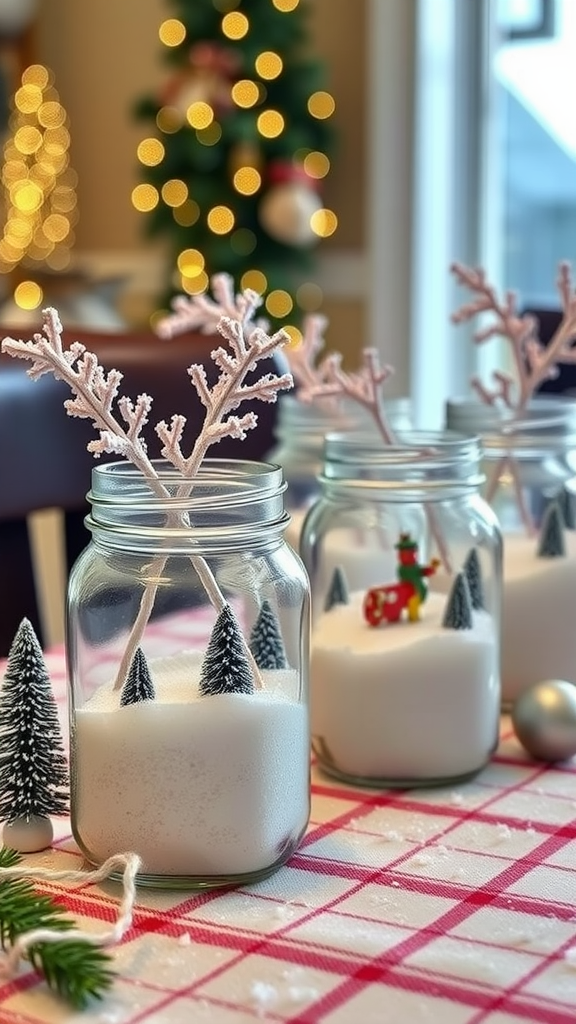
(129, 863)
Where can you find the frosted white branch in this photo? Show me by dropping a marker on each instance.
(534, 362)
(203, 313)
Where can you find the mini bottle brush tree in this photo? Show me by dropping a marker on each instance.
(33, 767)
(232, 176)
(95, 391)
(533, 361)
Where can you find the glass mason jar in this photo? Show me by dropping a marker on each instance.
(403, 694)
(188, 651)
(300, 430)
(528, 462)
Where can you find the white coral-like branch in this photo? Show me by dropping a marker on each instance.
(202, 313)
(363, 386)
(302, 358)
(533, 361)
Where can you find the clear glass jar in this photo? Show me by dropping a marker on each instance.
(405, 700)
(188, 651)
(533, 459)
(300, 430)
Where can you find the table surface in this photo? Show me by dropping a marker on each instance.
(441, 906)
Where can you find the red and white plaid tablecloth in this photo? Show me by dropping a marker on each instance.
(440, 906)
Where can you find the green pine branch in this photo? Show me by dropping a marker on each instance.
(75, 969)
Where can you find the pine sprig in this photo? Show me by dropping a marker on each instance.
(75, 969)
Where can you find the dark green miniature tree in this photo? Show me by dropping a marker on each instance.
(225, 668)
(338, 590)
(552, 543)
(138, 685)
(458, 611)
(266, 641)
(33, 766)
(239, 138)
(473, 572)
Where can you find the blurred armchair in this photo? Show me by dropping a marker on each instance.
(45, 470)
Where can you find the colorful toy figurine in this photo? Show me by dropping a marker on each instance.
(388, 602)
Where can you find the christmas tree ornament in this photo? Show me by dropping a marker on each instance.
(544, 720)
(286, 209)
(33, 767)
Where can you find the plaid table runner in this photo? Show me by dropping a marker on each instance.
(440, 906)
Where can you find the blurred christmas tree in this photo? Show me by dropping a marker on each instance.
(232, 177)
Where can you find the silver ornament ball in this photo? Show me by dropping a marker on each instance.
(544, 720)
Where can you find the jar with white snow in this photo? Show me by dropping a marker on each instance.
(300, 430)
(405, 562)
(530, 463)
(188, 651)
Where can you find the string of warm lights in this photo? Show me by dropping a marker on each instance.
(39, 186)
(247, 93)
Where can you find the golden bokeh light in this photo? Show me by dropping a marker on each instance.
(169, 120)
(28, 139)
(243, 241)
(36, 74)
(294, 333)
(199, 114)
(51, 114)
(245, 93)
(270, 124)
(211, 135)
(56, 227)
(56, 141)
(247, 181)
(28, 98)
(26, 196)
(255, 280)
(279, 303)
(235, 25)
(174, 192)
(316, 164)
(63, 199)
(309, 296)
(321, 104)
(269, 65)
(172, 32)
(195, 285)
(220, 220)
(150, 152)
(190, 263)
(285, 5)
(324, 223)
(145, 198)
(28, 295)
(187, 214)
